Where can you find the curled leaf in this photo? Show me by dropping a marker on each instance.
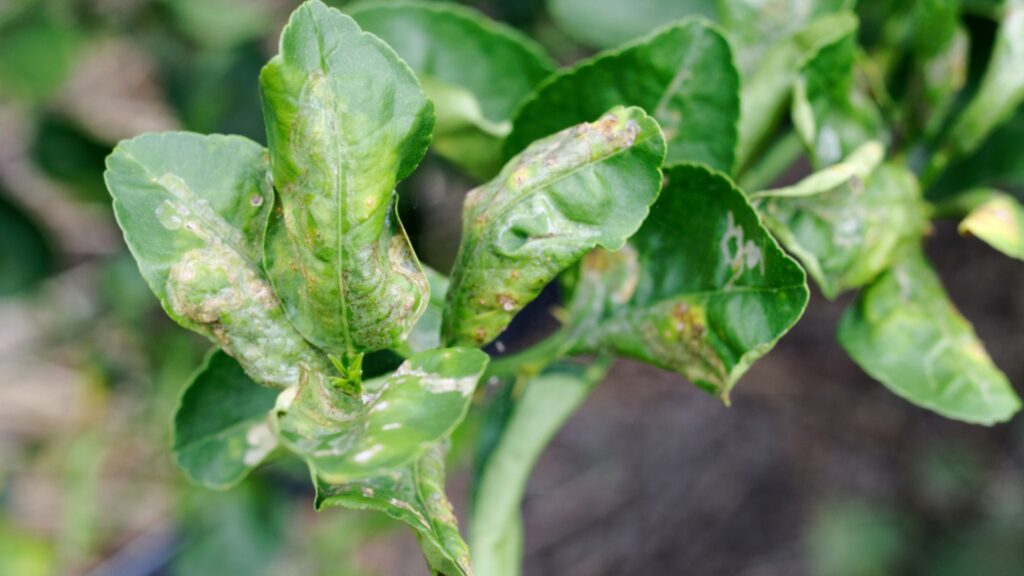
(904, 331)
(193, 209)
(414, 494)
(999, 221)
(345, 438)
(586, 186)
(701, 289)
(346, 120)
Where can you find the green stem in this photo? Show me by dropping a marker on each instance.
(535, 358)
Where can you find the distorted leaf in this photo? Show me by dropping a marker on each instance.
(904, 332)
(1002, 87)
(414, 494)
(846, 222)
(542, 407)
(193, 209)
(345, 438)
(701, 289)
(999, 221)
(767, 87)
(609, 23)
(222, 427)
(476, 72)
(346, 120)
(682, 75)
(590, 185)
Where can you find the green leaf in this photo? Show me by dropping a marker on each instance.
(767, 87)
(39, 49)
(755, 26)
(1002, 87)
(829, 113)
(611, 22)
(193, 209)
(221, 427)
(415, 495)
(344, 438)
(543, 406)
(846, 222)
(682, 75)
(999, 221)
(346, 120)
(590, 185)
(904, 332)
(702, 289)
(475, 70)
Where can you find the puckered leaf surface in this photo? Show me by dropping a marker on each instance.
(346, 120)
(587, 186)
(193, 209)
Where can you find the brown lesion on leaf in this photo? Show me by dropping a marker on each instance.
(677, 338)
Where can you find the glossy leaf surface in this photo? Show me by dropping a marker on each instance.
(682, 75)
(846, 222)
(1002, 88)
(999, 221)
(222, 427)
(702, 289)
(415, 495)
(475, 70)
(755, 26)
(346, 120)
(590, 185)
(768, 86)
(193, 209)
(345, 438)
(541, 409)
(609, 23)
(904, 332)
(829, 113)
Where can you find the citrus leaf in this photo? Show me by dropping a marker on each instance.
(344, 438)
(681, 75)
(346, 120)
(611, 22)
(475, 71)
(829, 113)
(193, 210)
(904, 332)
(701, 289)
(426, 334)
(999, 221)
(1002, 87)
(413, 494)
(590, 185)
(221, 427)
(543, 406)
(768, 86)
(846, 223)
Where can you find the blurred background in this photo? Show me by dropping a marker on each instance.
(815, 469)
